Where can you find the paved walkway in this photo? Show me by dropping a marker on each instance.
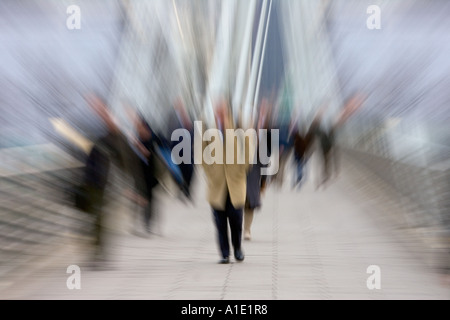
(306, 244)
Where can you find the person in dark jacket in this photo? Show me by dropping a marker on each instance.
(180, 119)
(302, 145)
(145, 147)
(112, 148)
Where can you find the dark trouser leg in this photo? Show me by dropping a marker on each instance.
(300, 171)
(299, 165)
(95, 208)
(235, 218)
(187, 170)
(148, 213)
(336, 155)
(220, 218)
(326, 165)
(98, 241)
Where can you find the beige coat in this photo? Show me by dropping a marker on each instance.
(232, 178)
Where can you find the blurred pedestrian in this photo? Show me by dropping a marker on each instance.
(256, 182)
(110, 150)
(145, 148)
(227, 185)
(302, 145)
(327, 135)
(180, 119)
(285, 148)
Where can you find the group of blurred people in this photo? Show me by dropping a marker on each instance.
(300, 142)
(235, 190)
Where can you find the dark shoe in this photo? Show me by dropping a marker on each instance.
(239, 255)
(224, 261)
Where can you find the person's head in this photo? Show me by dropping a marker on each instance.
(182, 112)
(178, 105)
(95, 99)
(351, 105)
(263, 113)
(222, 114)
(354, 102)
(143, 129)
(99, 105)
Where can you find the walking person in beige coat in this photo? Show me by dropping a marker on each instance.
(227, 185)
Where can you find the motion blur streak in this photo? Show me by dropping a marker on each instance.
(89, 100)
